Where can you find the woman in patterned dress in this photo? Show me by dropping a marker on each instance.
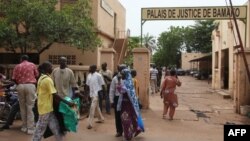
(128, 105)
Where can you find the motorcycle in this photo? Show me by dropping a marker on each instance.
(7, 99)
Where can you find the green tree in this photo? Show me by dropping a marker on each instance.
(170, 45)
(36, 25)
(149, 42)
(197, 38)
(189, 39)
(133, 42)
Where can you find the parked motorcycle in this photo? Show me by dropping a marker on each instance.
(7, 100)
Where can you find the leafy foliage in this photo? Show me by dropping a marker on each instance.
(169, 47)
(172, 43)
(149, 42)
(36, 24)
(198, 37)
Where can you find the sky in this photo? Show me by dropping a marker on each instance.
(154, 28)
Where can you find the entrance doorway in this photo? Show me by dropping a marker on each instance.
(225, 69)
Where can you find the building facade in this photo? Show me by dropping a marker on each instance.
(109, 17)
(229, 72)
(187, 57)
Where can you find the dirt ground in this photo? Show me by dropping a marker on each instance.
(200, 117)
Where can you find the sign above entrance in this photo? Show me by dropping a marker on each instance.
(192, 13)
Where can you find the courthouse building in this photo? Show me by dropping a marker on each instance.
(228, 69)
(109, 17)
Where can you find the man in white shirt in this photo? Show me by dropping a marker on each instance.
(95, 83)
(107, 76)
(114, 96)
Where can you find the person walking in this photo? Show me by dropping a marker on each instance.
(153, 79)
(114, 95)
(24, 75)
(165, 73)
(130, 113)
(64, 79)
(95, 84)
(107, 76)
(159, 75)
(46, 94)
(170, 99)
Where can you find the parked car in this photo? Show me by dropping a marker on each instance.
(180, 72)
(193, 72)
(201, 75)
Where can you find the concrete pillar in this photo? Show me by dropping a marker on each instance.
(141, 64)
(242, 91)
(108, 55)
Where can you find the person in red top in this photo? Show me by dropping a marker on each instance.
(25, 75)
(168, 94)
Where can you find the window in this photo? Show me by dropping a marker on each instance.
(71, 59)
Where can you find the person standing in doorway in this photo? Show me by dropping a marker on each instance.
(24, 75)
(107, 76)
(64, 79)
(170, 99)
(95, 83)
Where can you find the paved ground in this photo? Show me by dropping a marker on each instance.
(199, 117)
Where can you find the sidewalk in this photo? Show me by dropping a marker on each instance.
(199, 117)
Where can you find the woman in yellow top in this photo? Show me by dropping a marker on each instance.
(46, 93)
(136, 85)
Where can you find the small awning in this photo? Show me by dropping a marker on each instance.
(204, 58)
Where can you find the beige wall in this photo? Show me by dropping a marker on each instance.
(241, 89)
(106, 22)
(108, 56)
(186, 57)
(86, 57)
(105, 25)
(141, 65)
(226, 40)
(95, 6)
(223, 40)
(106, 42)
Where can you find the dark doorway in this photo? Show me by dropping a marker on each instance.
(225, 69)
